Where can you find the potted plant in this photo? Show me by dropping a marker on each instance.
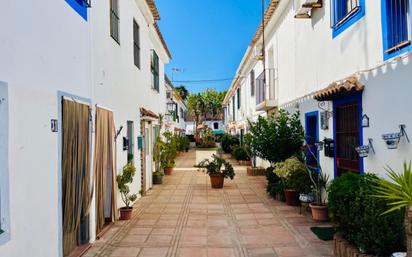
(123, 180)
(295, 179)
(241, 155)
(319, 181)
(168, 153)
(218, 169)
(398, 193)
(157, 151)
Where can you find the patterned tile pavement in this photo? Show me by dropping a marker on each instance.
(184, 217)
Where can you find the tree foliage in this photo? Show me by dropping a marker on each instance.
(277, 137)
(183, 92)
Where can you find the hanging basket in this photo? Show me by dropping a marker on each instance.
(363, 150)
(392, 140)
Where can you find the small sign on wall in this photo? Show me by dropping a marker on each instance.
(54, 125)
(365, 121)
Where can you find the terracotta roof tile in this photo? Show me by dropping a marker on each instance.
(340, 89)
(153, 9)
(270, 10)
(159, 33)
(148, 113)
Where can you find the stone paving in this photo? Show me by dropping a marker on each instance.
(184, 217)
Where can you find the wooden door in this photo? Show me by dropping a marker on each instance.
(347, 136)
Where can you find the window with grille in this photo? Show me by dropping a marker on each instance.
(397, 24)
(344, 13)
(216, 125)
(136, 44)
(234, 108)
(252, 83)
(154, 66)
(114, 20)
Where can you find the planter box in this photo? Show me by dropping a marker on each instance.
(343, 248)
(256, 171)
(245, 163)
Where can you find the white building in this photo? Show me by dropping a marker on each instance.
(345, 65)
(60, 67)
(176, 110)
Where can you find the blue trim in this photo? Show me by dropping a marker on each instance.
(311, 114)
(336, 30)
(385, 33)
(354, 98)
(79, 7)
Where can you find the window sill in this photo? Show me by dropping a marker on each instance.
(398, 47)
(351, 18)
(347, 17)
(116, 40)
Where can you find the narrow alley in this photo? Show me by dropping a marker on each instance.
(185, 217)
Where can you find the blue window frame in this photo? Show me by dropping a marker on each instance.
(345, 13)
(80, 6)
(396, 27)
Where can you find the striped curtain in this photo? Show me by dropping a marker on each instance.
(104, 167)
(76, 180)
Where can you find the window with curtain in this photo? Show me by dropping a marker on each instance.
(252, 83)
(154, 67)
(397, 24)
(136, 44)
(114, 20)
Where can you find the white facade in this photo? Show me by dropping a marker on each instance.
(49, 50)
(307, 55)
(175, 120)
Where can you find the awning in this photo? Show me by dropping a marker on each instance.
(147, 113)
(341, 89)
(218, 132)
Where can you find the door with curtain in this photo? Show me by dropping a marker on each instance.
(148, 155)
(76, 174)
(104, 169)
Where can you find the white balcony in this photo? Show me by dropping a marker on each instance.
(266, 98)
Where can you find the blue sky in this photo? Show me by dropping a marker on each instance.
(207, 38)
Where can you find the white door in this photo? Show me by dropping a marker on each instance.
(148, 157)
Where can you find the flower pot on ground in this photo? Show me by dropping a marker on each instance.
(126, 213)
(319, 212)
(168, 171)
(123, 181)
(294, 176)
(292, 197)
(157, 178)
(256, 171)
(218, 169)
(241, 155)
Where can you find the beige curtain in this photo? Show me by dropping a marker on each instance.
(104, 165)
(76, 179)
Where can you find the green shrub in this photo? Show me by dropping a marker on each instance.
(294, 175)
(359, 215)
(240, 153)
(228, 142)
(275, 185)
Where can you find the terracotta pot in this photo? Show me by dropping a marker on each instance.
(217, 181)
(168, 170)
(126, 213)
(256, 171)
(319, 212)
(292, 197)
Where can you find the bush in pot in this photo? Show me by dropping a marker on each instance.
(358, 214)
(228, 142)
(294, 176)
(168, 153)
(275, 186)
(218, 169)
(123, 182)
(157, 158)
(241, 154)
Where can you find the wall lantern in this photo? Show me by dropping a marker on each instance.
(325, 115)
(392, 139)
(171, 107)
(319, 146)
(365, 121)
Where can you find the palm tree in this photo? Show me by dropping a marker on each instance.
(398, 193)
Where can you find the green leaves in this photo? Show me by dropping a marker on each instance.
(217, 166)
(398, 191)
(277, 137)
(129, 171)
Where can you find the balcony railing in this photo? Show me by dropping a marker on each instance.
(266, 97)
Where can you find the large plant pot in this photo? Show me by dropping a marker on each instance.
(319, 212)
(168, 170)
(126, 213)
(157, 180)
(292, 197)
(217, 181)
(256, 171)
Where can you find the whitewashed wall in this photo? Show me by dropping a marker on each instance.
(43, 51)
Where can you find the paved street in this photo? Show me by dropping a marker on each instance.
(184, 217)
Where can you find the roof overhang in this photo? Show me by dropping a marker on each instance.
(340, 89)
